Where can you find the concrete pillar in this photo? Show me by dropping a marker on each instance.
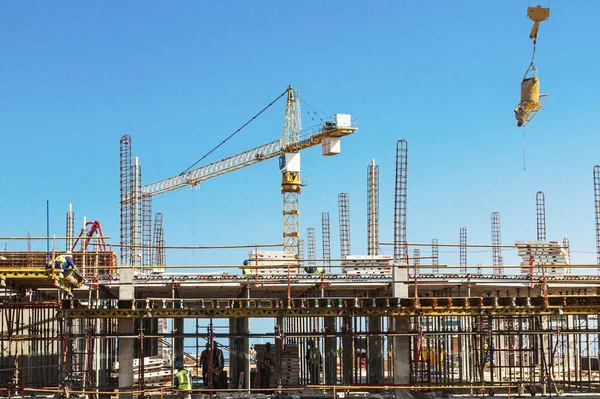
(401, 351)
(330, 352)
(234, 363)
(163, 349)
(245, 328)
(178, 324)
(239, 353)
(126, 345)
(278, 348)
(374, 352)
(348, 352)
(401, 325)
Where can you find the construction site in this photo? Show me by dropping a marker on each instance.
(102, 315)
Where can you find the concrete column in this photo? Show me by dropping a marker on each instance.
(278, 348)
(401, 325)
(239, 353)
(401, 351)
(163, 349)
(374, 352)
(234, 363)
(245, 351)
(178, 324)
(348, 352)
(330, 352)
(126, 345)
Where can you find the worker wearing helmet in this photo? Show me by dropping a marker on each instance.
(183, 381)
(204, 359)
(266, 366)
(218, 363)
(314, 360)
(64, 262)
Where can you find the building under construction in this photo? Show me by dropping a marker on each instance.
(379, 323)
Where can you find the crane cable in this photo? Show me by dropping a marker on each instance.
(530, 68)
(234, 133)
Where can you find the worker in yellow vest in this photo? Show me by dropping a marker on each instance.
(183, 381)
(64, 262)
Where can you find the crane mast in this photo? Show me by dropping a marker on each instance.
(289, 163)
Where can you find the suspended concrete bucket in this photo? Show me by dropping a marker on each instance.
(531, 100)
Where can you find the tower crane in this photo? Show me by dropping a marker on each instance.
(287, 148)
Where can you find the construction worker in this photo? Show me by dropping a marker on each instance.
(217, 366)
(64, 262)
(183, 381)
(314, 360)
(204, 359)
(267, 364)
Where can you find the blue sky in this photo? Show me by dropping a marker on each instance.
(180, 77)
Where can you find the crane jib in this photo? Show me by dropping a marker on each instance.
(241, 160)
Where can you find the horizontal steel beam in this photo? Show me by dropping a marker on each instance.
(328, 307)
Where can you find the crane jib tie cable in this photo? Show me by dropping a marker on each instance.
(234, 133)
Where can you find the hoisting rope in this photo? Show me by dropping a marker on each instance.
(523, 145)
(234, 133)
(531, 66)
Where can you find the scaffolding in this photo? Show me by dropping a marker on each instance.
(118, 330)
(460, 336)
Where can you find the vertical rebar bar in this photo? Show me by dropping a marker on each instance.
(326, 237)
(400, 197)
(158, 219)
(70, 228)
(416, 257)
(312, 263)
(463, 249)
(435, 260)
(300, 253)
(162, 247)
(597, 207)
(344, 216)
(540, 202)
(125, 203)
(496, 242)
(146, 232)
(567, 248)
(136, 214)
(373, 209)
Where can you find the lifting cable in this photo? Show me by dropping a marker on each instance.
(234, 133)
(523, 145)
(533, 69)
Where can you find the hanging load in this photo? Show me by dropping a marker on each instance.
(531, 99)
